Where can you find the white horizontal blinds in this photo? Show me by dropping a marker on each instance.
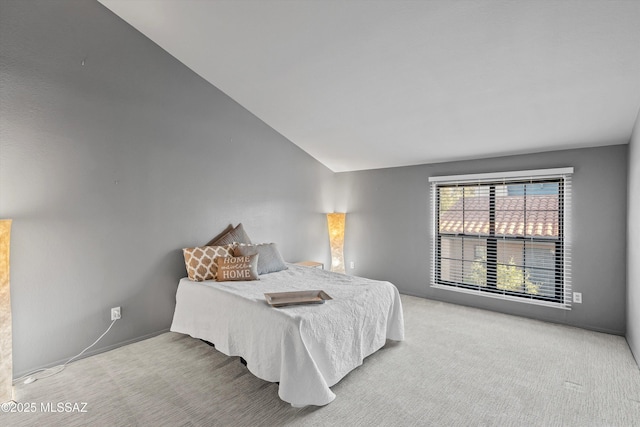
(566, 235)
(504, 236)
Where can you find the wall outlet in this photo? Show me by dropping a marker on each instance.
(115, 313)
(577, 297)
(352, 265)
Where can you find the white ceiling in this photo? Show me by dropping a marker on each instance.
(363, 84)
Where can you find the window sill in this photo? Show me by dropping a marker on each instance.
(561, 306)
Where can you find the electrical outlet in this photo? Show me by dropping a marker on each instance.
(115, 313)
(352, 265)
(577, 297)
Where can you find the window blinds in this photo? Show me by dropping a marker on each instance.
(504, 235)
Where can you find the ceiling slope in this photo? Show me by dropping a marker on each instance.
(372, 84)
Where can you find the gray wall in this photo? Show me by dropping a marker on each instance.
(388, 231)
(110, 167)
(633, 256)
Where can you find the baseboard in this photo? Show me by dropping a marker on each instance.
(635, 357)
(92, 352)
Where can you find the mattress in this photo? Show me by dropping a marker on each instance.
(306, 348)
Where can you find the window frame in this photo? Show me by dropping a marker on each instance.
(562, 247)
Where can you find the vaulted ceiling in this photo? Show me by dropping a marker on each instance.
(363, 84)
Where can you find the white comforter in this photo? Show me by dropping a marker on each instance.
(307, 348)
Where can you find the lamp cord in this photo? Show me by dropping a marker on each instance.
(29, 378)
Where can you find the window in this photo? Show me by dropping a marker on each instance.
(504, 235)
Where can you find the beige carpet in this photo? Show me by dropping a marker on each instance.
(458, 367)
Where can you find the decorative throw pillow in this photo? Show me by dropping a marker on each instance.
(270, 259)
(235, 235)
(200, 261)
(237, 268)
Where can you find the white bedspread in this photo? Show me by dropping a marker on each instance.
(307, 348)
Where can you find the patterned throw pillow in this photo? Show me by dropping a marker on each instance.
(234, 235)
(270, 259)
(200, 261)
(237, 268)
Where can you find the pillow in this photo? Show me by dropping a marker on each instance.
(270, 259)
(200, 261)
(237, 268)
(234, 235)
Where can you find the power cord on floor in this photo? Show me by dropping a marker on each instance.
(30, 377)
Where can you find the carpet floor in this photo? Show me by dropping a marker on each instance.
(458, 366)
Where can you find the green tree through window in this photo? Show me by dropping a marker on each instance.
(510, 277)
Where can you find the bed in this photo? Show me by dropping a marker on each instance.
(306, 348)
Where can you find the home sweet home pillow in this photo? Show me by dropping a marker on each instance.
(200, 261)
(237, 268)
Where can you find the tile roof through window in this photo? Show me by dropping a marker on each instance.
(516, 216)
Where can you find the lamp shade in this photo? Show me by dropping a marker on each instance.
(335, 223)
(6, 359)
